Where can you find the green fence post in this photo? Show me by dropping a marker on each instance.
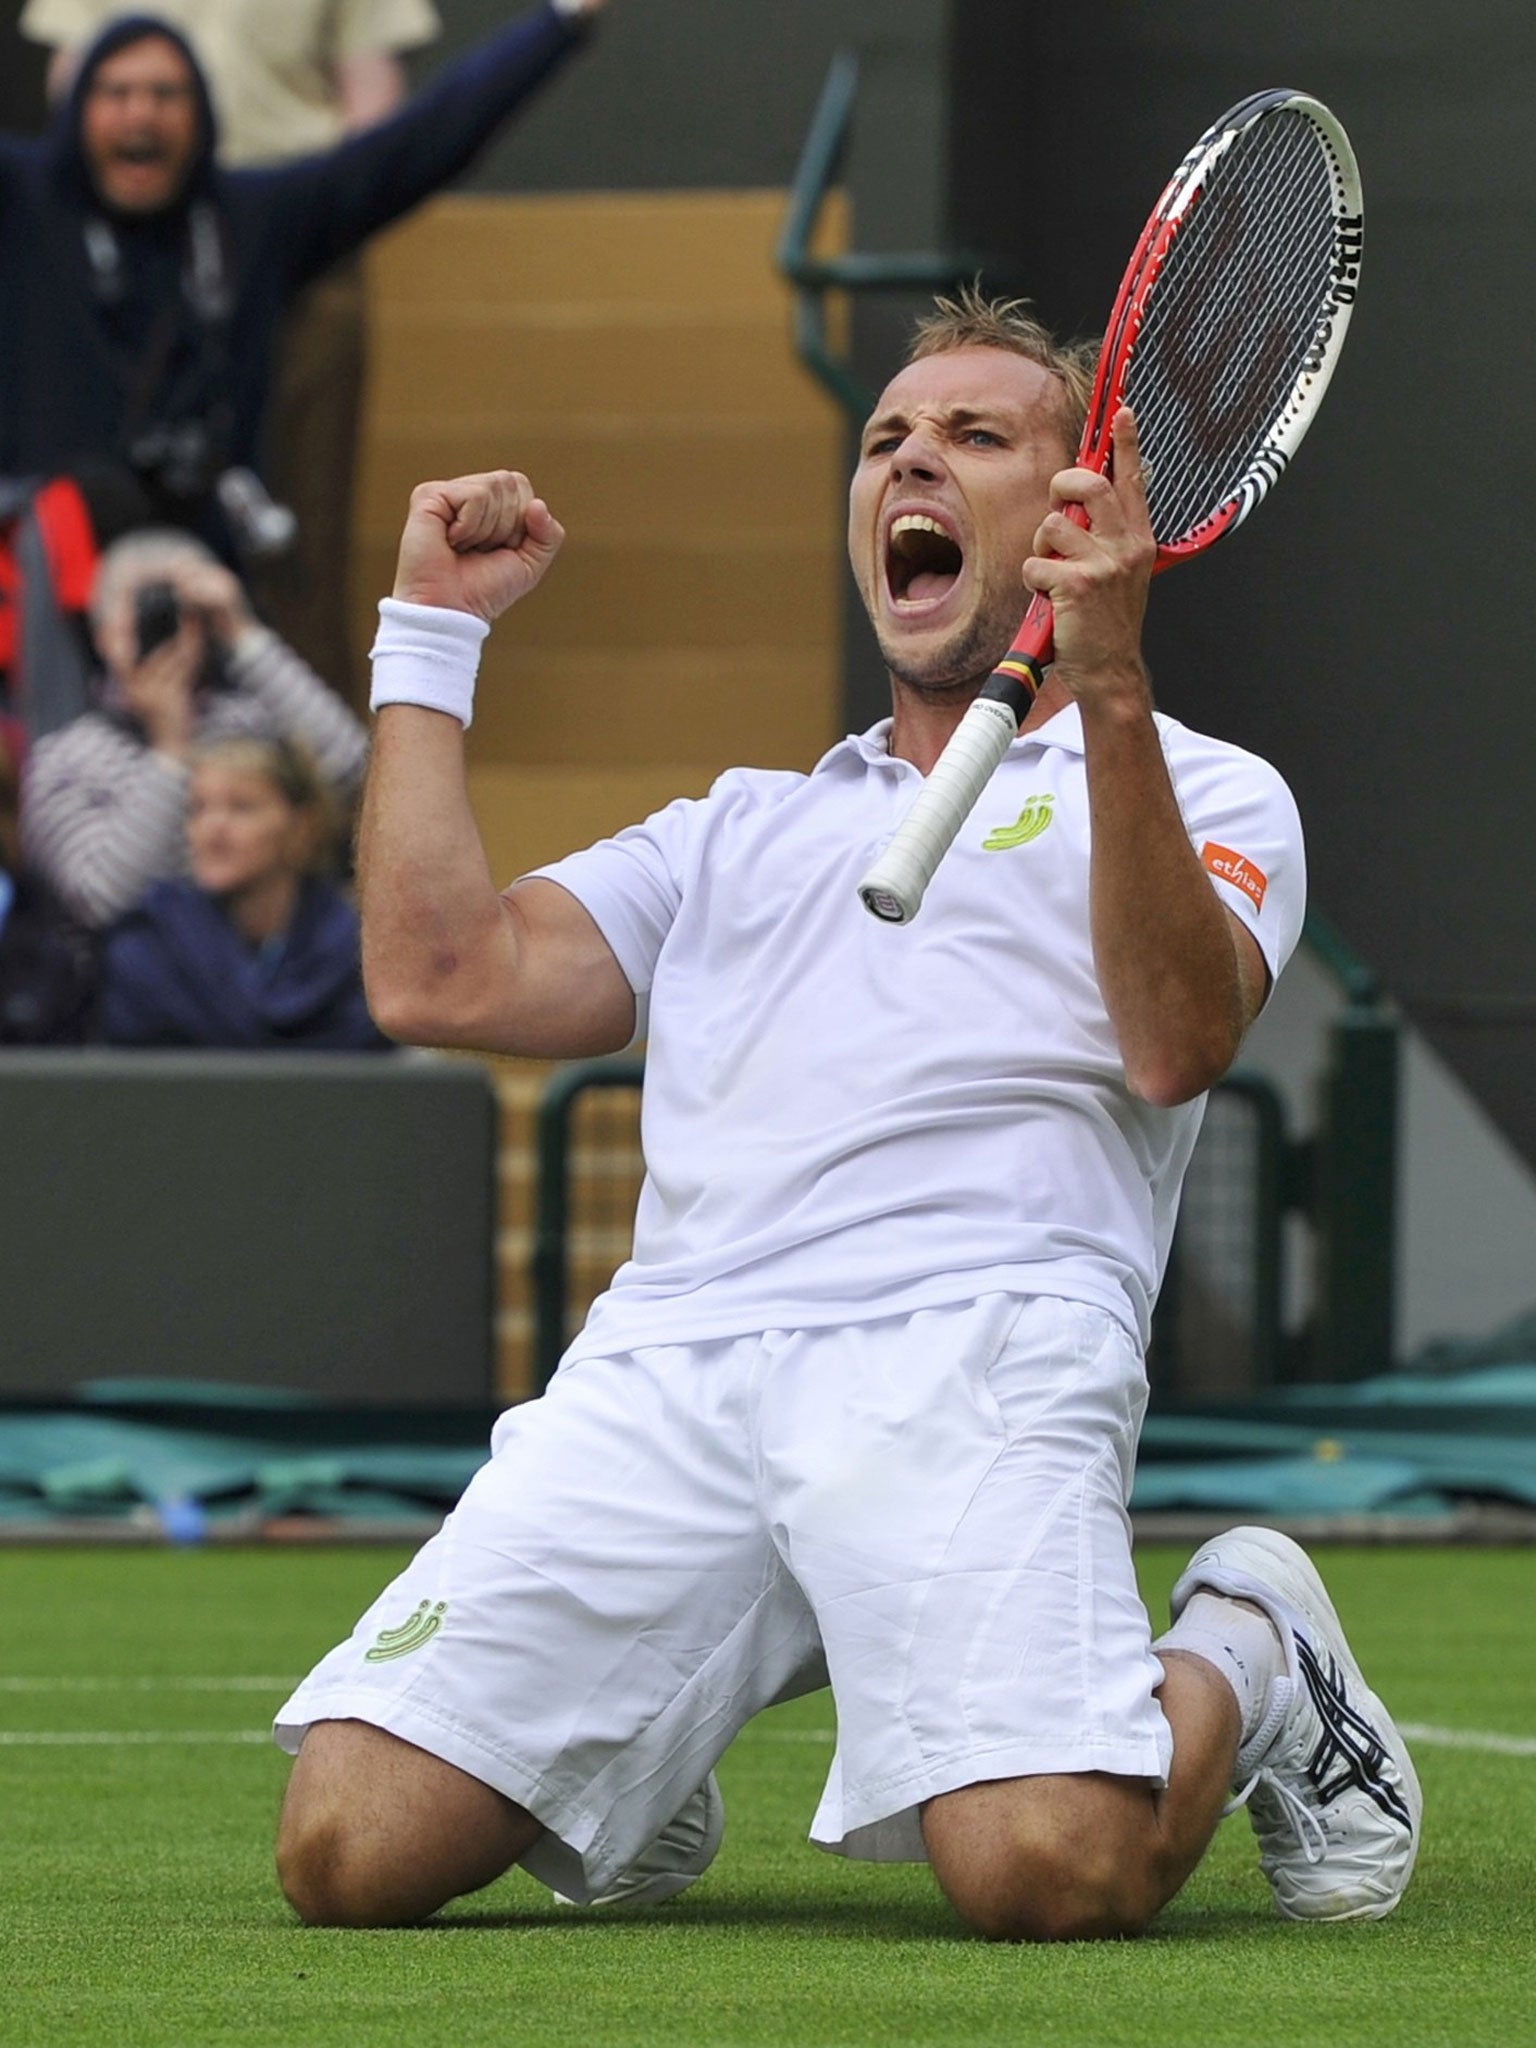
(1262, 1202)
(551, 1230)
(1356, 1196)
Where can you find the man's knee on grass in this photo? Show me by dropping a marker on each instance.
(1047, 1860)
(329, 1885)
(377, 1833)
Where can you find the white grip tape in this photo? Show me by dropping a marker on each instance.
(894, 887)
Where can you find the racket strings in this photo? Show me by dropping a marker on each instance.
(1294, 296)
(1241, 298)
(1224, 361)
(1228, 389)
(1225, 259)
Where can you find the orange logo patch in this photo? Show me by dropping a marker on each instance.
(1236, 869)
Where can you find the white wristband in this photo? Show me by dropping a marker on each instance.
(428, 655)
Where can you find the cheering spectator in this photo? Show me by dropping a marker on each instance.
(287, 81)
(144, 285)
(47, 964)
(256, 949)
(104, 800)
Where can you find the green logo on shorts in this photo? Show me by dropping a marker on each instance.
(410, 1635)
(1030, 823)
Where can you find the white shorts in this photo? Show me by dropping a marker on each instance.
(929, 1511)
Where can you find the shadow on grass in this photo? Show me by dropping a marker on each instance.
(850, 1919)
(843, 1919)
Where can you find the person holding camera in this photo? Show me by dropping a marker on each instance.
(289, 80)
(185, 661)
(145, 284)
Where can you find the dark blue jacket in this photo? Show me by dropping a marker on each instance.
(71, 342)
(175, 972)
(47, 967)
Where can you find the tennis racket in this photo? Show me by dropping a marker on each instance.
(1226, 330)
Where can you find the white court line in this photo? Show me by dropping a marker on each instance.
(1467, 1738)
(90, 1738)
(1412, 1731)
(147, 1684)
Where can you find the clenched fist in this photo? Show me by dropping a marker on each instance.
(477, 544)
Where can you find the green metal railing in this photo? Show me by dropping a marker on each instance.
(1218, 1327)
(813, 277)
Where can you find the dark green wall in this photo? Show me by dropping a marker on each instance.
(719, 93)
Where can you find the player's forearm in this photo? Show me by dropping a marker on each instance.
(1162, 943)
(438, 947)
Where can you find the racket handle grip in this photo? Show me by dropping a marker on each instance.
(894, 887)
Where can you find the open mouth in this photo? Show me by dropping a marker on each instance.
(922, 561)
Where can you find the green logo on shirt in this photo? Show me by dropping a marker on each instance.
(1030, 823)
(412, 1634)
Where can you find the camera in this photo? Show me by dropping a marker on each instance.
(182, 464)
(156, 616)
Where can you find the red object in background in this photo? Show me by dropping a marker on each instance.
(70, 540)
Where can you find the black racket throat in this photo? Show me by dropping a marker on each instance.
(1015, 682)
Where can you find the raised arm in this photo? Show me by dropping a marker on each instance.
(369, 86)
(320, 208)
(1182, 978)
(447, 960)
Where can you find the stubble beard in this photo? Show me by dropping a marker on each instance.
(962, 665)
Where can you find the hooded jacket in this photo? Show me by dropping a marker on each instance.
(118, 325)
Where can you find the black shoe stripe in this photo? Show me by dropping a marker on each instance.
(1349, 1751)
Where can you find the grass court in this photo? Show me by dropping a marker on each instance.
(140, 1911)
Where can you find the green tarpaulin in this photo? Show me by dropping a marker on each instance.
(194, 1460)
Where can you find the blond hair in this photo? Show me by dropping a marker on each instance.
(969, 320)
(293, 772)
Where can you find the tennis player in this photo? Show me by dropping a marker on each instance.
(863, 1405)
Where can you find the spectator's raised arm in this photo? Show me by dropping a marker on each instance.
(333, 202)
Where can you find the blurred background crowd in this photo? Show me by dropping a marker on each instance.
(180, 377)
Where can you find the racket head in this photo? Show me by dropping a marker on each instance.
(1232, 314)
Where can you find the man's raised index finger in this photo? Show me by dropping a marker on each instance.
(1130, 471)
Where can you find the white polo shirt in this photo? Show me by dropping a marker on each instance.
(845, 1119)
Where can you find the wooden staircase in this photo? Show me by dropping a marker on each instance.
(632, 354)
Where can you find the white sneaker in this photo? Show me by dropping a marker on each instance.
(1327, 1779)
(683, 1850)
